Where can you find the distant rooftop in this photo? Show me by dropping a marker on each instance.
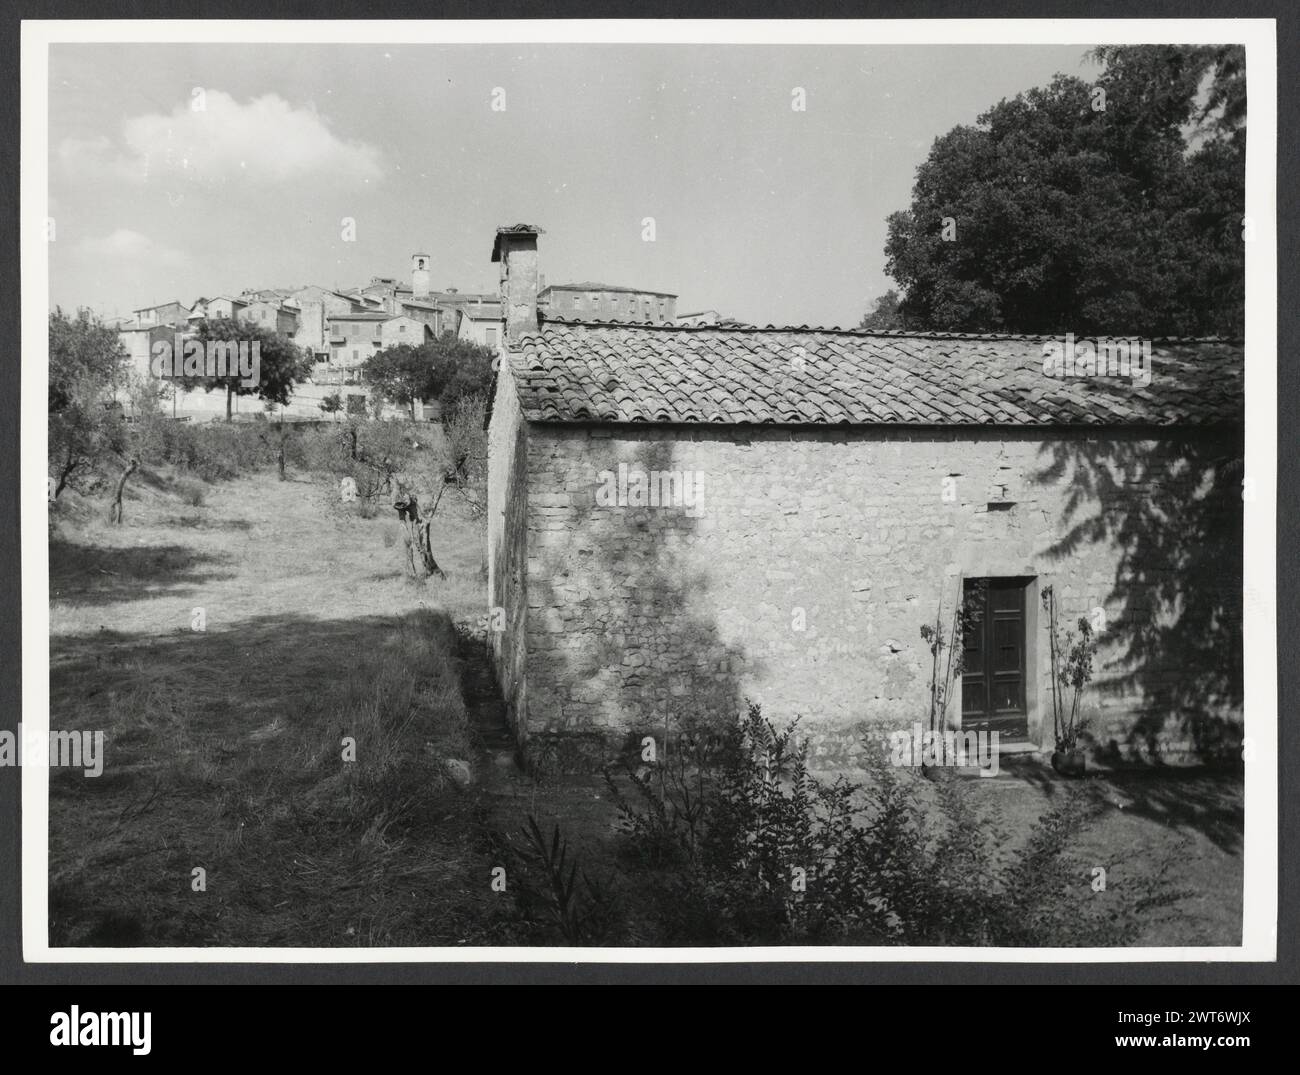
(487, 311)
(587, 285)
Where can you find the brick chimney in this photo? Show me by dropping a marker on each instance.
(516, 249)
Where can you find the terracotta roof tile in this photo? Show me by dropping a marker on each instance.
(577, 371)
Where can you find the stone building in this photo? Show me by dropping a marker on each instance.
(685, 518)
(272, 315)
(221, 306)
(609, 302)
(315, 306)
(354, 337)
(404, 330)
(167, 314)
(699, 317)
(480, 322)
(438, 317)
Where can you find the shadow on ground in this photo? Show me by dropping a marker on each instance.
(222, 753)
(104, 575)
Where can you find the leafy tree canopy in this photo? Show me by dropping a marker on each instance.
(446, 369)
(86, 358)
(86, 428)
(884, 315)
(282, 363)
(1114, 208)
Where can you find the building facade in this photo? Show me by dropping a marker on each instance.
(607, 302)
(273, 316)
(404, 330)
(168, 314)
(480, 323)
(354, 337)
(315, 305)
(221, 306)
(439, 318)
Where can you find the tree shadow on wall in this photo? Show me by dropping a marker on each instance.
(1174, 609)
(632, 645)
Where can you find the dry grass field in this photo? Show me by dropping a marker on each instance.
(225, 746)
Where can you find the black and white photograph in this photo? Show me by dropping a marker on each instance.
(650, 493)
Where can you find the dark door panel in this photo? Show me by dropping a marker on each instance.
(993, 673)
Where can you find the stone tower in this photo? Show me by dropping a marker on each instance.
(420, 274)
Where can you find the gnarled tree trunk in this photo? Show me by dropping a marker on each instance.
(419, 545)
(115, 512)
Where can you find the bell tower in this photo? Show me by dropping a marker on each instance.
(420, 274)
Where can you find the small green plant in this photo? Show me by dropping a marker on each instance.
(555, 891)
(947, 657)
(1072, 666)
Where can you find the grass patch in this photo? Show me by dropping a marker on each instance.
(224, 748)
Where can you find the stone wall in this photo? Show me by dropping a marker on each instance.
(803, 577)
(507, 545)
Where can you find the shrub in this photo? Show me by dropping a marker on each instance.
(213, 451)
(557, 898)
(376, 455)
(465, 451)
(736, 842)
(1071, 671)
(191, 492)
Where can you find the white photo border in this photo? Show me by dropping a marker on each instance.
(1260, 845)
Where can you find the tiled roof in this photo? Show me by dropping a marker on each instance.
(584, 372)
(466, 296)
(486, 311)
(588, 285)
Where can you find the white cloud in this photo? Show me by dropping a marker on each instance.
(263, 142)
(125, 245)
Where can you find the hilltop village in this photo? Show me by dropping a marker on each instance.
(341, 328)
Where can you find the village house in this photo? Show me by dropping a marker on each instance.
(273, 316)
(220, 306)
(138, 340)
(315, 305)
(439, 318)
(404, 330)
(166, 314)
(684, 518)
(699, 317)
(608, 302)
(480, 323)
(354, 337)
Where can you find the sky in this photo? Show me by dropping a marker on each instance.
(185, 170)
